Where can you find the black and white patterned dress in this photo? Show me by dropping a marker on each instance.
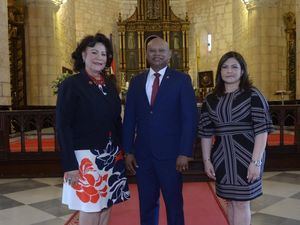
(234, 120)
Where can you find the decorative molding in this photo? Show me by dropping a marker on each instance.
(251, 4)
(289, 21)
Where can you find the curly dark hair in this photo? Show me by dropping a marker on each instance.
(90, 41)
(245, 83)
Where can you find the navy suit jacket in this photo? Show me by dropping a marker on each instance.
(167, 129)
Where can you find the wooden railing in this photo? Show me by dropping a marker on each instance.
(286, 120)
(28, 142)
(22, 143)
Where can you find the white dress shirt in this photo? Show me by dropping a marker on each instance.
(150, 80)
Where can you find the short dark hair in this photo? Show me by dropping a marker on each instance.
(90, 41)
(245, 83)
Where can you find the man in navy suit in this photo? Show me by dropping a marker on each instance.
(158, 134)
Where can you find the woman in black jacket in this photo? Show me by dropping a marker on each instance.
(88, 127)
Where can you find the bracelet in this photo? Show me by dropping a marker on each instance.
(257, 163)
(206, 160)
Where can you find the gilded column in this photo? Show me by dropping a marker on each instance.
(184, 55)
(140, 38)
(143, 52)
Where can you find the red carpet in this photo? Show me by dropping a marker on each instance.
(274, 139)
(201, 207)
(31, 145)
(48, 143)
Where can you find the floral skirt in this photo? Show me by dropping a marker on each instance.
(102, 181)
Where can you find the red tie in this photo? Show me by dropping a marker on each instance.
(155, 87)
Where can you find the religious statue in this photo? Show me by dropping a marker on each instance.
(176, 42)
(130, 41)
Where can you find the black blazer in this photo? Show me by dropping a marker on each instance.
(85, 117)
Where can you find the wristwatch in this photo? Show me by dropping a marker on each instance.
(256, 162)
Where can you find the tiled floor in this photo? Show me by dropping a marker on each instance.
(280, 204)
(37, 201)
(32, 201)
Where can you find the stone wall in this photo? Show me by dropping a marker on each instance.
(96, 16)
(240, 28)
(5, 94)
(179, 8)
(127, 8)
(268, 46)
(214, 17)
(256, 31)
(66, 32)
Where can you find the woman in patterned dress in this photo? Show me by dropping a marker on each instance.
(89, 134)
(234, 125)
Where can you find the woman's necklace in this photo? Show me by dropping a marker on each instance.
(99, 82)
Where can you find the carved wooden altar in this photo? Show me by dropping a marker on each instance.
(151, 18)
(16, 34)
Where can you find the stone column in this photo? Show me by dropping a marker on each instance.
(5, 95)
(263, 39)
(43, 57)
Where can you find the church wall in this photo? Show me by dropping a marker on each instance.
(66, 30)
(127, 8)
(214, 17)
(179, 8)
(52, 33)
(263, 43)
(98, 16)
(4, 56)
(240, 28)
(93, 16)
(256, 32)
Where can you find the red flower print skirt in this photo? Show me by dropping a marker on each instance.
(102, 181)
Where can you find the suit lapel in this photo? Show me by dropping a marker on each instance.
(163, 86)
(143, 85)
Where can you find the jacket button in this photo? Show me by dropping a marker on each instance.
(151, 112)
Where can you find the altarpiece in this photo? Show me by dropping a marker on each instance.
(151, 18)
